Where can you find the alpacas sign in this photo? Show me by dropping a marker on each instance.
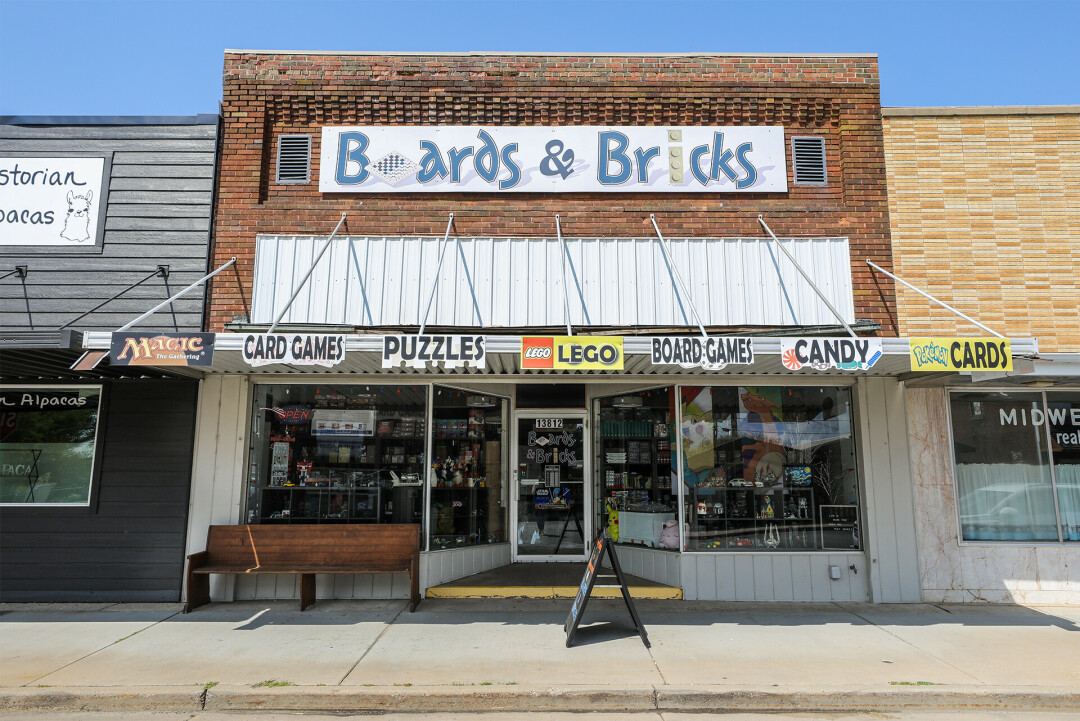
(51, 201)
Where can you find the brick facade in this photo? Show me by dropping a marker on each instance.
(983, 204)
(268, 94)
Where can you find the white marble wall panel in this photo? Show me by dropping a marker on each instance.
(952, 572)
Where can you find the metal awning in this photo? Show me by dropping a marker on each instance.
(363, 355)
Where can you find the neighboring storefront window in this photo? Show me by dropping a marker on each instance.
(468, 469)
(637, 484)
(48, 437)
(769, 469)
(1017, 458)
(337, 454)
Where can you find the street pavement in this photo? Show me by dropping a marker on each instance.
(510, 655)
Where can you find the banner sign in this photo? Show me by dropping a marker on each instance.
(417, 351)
(162, 349)
(552, 159)
(564, 352)
(47, 201)
(713, 353)
(846, 354)
(300, 349)
(960, 354)
(343, 424)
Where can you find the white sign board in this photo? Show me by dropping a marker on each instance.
(846, 354)
(345, 424)
(293, 349)
(417, 351)
(712, 353)
(552, 159)
(46, 201)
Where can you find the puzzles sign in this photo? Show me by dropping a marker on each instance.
(418, 351)
(46, 201)
(552, 159)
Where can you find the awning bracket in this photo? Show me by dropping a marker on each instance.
(307, 275)
(565, 294)
(438, 268)
(162, 271)
(926, 295)
(677, 281)
(807, 278)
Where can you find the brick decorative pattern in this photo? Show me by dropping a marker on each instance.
(984, 217)
(267, 95)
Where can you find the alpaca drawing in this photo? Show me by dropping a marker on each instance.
(77, 222)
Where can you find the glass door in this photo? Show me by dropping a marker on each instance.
(551, 515)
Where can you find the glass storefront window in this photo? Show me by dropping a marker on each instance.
(637, 483)
(1017, 458)
(48, 437)
(468, 469)
(1063, 418)
(769, 469)
(337, 454)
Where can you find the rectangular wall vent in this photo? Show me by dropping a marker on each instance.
(808, 159)
(294, 159)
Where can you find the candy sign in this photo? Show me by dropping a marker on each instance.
(847, 354)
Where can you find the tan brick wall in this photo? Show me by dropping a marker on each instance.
(985, 212)
(269, 94)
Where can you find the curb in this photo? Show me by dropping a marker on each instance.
(448, 699)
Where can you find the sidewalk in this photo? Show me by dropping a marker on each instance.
(462, 655)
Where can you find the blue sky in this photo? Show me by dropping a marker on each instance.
(154, 57)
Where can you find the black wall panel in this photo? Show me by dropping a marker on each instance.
(129, 546)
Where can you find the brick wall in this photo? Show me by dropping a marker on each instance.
(266, 95)
(984, 216)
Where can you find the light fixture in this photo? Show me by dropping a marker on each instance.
(626, 402)
(480, 402)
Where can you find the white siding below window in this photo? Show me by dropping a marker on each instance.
(518, 282)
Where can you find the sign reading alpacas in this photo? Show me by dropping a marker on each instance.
(48, 201)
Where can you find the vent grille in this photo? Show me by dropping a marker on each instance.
(294, 159)
(808, 158)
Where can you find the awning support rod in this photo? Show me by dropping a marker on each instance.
(565, 296)
(162, 270)
(306, 275)
(468, 279)
(185, 291)
(19, 269)
(807, 278)
(676, 278)
(435, 285)
(926, 295)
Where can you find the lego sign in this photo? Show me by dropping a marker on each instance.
(961, 354)
(553, 159)
(572, 352)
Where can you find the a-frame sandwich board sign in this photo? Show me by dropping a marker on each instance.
(602, 545)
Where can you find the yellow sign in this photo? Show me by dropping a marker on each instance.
(564, 352)
(961, 354)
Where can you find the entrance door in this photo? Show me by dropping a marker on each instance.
(551, 514)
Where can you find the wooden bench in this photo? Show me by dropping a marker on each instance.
(305, 550)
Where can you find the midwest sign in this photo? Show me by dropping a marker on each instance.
(572, 352)
(51, 201)
(552, 159)
(846, 354)
(294, 349)
(713, 353)
(162, 349)
(417, 351)
(960, 354)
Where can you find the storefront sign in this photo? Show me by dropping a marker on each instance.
(48, 201)
(961, 354)
(417, 351)
(846, 354)
(45, 401)
(162, 349)
(563, 352)
(553, 159)
(294, 349)
(713, 353)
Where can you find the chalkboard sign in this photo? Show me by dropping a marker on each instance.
(603, 544)
(840, 527)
